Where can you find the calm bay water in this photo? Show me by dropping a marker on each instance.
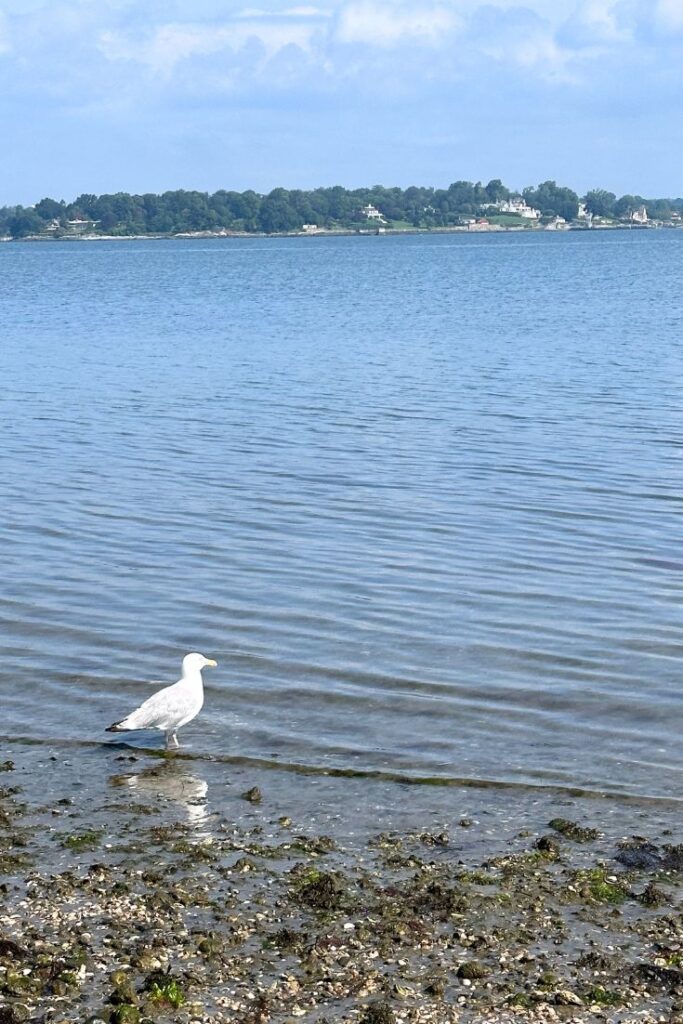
(421, 497)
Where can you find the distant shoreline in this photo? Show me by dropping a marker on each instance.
(345, 232)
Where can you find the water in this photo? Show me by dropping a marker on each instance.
(420, 497)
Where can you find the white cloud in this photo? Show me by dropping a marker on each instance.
(289, 12)
(171, 44)
(533, 52)
(382, 25)
(600, 18)
(4, 38)
(669, 14)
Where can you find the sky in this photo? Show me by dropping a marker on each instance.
(148, 95)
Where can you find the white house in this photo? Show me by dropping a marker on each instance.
(517, 205)
(371, 212)
(639, 216)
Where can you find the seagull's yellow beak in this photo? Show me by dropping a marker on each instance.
(210, 663)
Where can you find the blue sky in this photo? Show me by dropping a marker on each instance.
(144, 95)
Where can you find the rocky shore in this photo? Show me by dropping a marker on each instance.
(139, 888)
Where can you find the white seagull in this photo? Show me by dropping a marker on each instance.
(172, 707)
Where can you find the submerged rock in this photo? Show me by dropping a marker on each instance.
(549, 846)
(652, 896)
(253, 795)
(639, 854)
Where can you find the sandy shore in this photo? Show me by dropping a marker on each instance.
(137, 888)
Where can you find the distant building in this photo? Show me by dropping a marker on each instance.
(516, 205)
(371, 212)
(309, 229)
(557, 224)
(639, 216)
(81, 224)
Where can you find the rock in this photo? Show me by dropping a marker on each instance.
(565, 997)
(323, 892)
(673, 859)
(434, 838)
(572, 830)
(124, 993)
(472, 970)
(652, 896)
(253, 795)
(548, 845)
(125, 1014)
(378, 1013)
(12, 949)
(639, 854)
(669, 978)
(16, 1014)
(436, 986)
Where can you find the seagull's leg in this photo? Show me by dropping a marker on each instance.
(171, 740)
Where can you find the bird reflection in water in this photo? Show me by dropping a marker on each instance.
(170, 783)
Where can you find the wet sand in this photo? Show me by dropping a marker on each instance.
(136, 887)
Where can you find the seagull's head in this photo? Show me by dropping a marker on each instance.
(195, 663)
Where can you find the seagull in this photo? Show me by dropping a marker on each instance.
(172, 707)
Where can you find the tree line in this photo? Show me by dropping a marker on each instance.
(285, 210)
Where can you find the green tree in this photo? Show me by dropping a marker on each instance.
(600, 202)
(659, 209)
(277, 213)
(50, 209)
(496, 190)
(25, 222)
(553, 200)
(626, 205)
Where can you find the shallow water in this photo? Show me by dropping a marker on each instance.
(420, 497)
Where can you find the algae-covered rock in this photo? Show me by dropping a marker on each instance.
(472, 970)
(124, 993)
(378, 1013)
(321, 890)
(82, 841)
(565, 997)
(436, 986)
(653, 896)
(597, 886)
(125, 1014)
(315, 845)
(600, 996)
(16, 1014)
(162, 987)
(572, 830)
(548, 846)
